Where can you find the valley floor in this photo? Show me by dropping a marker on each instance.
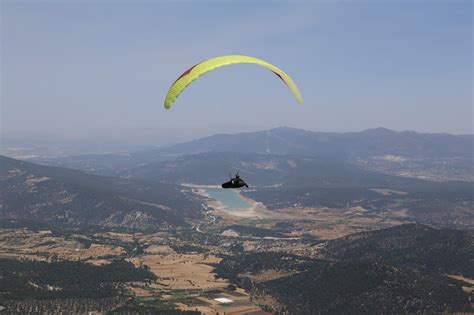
(184, 261)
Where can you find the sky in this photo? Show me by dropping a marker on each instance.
(100, 70)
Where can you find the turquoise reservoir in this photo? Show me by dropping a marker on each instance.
(229, 198)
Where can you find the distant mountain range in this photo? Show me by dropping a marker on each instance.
(371, 142)
(62, 197)
(409, 154)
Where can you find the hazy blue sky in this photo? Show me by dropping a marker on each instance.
(101, 69)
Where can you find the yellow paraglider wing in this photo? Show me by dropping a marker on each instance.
(198, 70)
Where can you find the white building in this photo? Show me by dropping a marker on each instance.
(223, 300)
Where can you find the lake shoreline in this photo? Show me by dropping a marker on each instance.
(253, 210)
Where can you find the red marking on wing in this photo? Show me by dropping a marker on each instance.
(186, 72)
(280, 77)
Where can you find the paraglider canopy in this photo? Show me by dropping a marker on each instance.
(198, 70)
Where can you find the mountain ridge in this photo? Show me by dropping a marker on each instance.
(286, 140)
(66, 197)
(433, 156)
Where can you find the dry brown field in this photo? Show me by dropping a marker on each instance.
(326, 223)
(181, 271)
(41, 245)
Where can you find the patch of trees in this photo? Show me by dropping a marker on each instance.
(66, 279)
(397, 270)
(413, 246)
(187, 248)
(149, 307)
(365, 288)
(254, 231)
(231, 266)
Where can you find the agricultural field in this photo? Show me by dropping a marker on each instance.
(185, 278)
(44, 245)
